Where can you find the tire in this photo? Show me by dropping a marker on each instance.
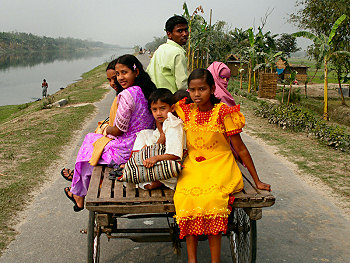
(242, 236)
(94, 234)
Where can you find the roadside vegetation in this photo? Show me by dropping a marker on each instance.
(312, 156)
(32, 136)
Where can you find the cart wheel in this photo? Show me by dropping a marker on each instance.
(242, 236)
(94, 234)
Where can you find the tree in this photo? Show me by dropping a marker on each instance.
(287, 44)
(325, 49)
(319, 17)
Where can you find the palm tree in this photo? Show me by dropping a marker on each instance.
(326, 50)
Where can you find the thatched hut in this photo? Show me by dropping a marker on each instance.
(285, 73)
(234, 64)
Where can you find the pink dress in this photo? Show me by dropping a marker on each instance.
(132, 116)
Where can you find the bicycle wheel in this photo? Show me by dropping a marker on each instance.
(94, 234)
(242, 237)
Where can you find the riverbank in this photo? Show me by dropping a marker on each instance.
(33, 136)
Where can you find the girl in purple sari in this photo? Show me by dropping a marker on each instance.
(112, 143)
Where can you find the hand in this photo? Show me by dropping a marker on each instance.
(148, 163)
(101, 129)
(262, 186)
(161, 139)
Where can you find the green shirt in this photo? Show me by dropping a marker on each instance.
(168, 67)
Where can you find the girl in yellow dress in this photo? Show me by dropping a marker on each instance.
(210, 171)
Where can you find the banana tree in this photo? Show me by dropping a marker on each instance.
(190, 20)
(324, 45)
(252, 57)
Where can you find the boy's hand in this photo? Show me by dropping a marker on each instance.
(161, 139)
(148, 163)
(262, 186)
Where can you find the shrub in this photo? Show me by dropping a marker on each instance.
(298, 119)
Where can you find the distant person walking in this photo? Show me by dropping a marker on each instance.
(44, 86)
(168, 66)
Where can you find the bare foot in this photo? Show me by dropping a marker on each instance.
(153, 185)
(77, 200)
(67, 174)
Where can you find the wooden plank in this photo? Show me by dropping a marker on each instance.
(156, 193)
(94, 184)
(132, 209)
(118, 191)
(130, 190)
(106, 186)
(144, 194)
(254, 213)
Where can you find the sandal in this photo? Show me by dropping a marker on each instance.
(76, 208)
(70, 174)
(116, 173)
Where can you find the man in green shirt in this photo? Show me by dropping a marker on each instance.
(168, 66)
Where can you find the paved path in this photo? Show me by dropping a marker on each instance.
(303, 225)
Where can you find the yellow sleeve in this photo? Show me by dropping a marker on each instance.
(233, 122)
(179, 111)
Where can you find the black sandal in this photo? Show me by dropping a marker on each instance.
(70, 174)
(76, 208)
(116, 173)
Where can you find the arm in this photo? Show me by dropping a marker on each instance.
(161, 139)
(113, 130)
(243, 152)
(181, 75)
(126, 107)
(148, 163)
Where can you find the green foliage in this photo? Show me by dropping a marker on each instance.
(287, 43)
(300, 120)
(157, 41)
(16, 41)
(243, 93)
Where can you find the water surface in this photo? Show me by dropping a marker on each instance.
(21, 75)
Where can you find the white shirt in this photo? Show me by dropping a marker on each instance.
(175, 142)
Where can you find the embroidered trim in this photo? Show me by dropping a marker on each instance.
(212, 120)
(200, 159)
(202, 224)
(233, 132)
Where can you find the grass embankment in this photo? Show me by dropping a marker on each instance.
(31, 139)
(312, 157)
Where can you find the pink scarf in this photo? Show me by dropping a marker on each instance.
(219, 70)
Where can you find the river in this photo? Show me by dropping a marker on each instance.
(21, 75)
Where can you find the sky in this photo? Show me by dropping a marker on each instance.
(134, 22)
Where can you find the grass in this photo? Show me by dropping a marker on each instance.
(30, 139)
(313, 159)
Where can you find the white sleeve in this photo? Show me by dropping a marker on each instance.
(174, 140)
(142, 139)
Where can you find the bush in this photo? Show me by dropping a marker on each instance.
(297, 119)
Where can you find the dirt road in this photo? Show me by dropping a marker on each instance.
(303, 226)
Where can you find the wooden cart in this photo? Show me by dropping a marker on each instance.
(107, 200)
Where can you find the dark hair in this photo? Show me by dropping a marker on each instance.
(202, 73)
(164, 95)
(180, 94)
(173, 21)
(142, 80)
(111, 64)
(44, 80)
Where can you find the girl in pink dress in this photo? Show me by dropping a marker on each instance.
(131, 116)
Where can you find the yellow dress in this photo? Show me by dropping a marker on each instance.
(210, 171)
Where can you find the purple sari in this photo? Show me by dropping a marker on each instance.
(132, 116)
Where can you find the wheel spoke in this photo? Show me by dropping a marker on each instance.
(242, 238)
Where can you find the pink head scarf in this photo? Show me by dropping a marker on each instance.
(219, 70)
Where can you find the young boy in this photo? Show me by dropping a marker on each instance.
(162, 103)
